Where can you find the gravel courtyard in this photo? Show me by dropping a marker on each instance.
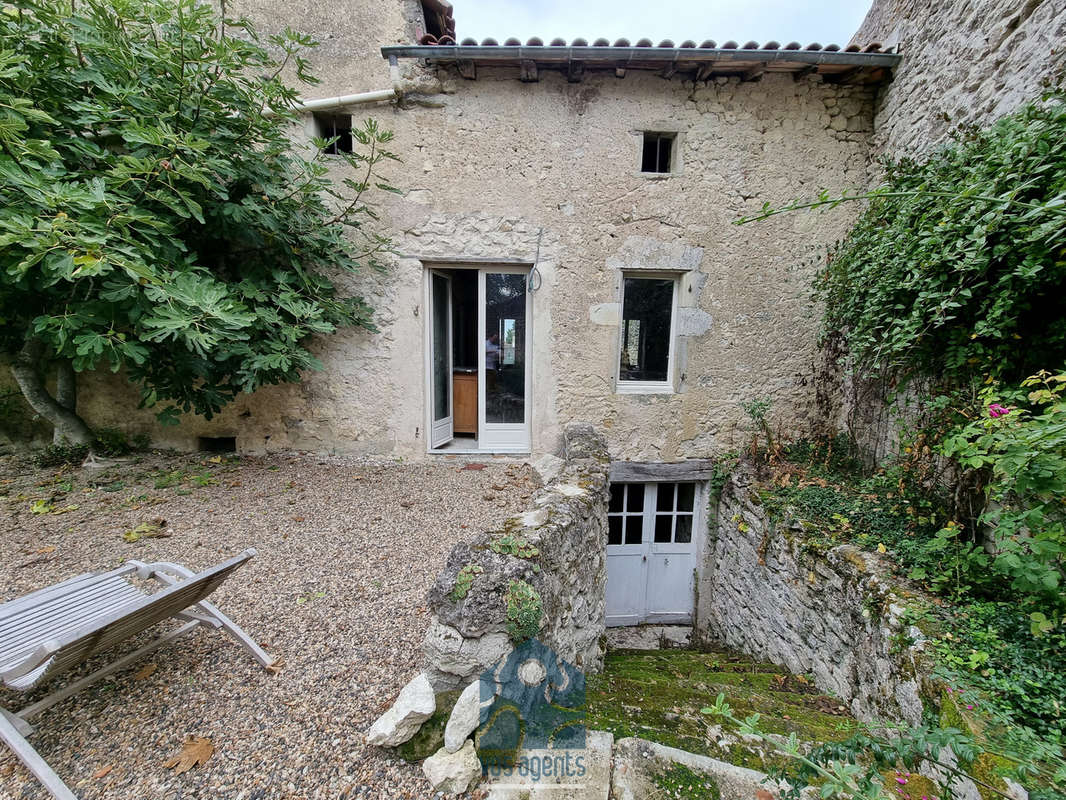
(346, 549)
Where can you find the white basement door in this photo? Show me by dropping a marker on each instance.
(651, 553)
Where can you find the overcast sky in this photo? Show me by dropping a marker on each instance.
(823, 21)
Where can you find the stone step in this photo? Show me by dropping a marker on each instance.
(588, 779)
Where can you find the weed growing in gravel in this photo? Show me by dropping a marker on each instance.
(168, 479)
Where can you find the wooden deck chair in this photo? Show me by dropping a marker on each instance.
(53, 630)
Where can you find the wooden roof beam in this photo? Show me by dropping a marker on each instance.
(528, 73)
(754, 73)
(468, 69)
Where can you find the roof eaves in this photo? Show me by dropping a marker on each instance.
(613, 54)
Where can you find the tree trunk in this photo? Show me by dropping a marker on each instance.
(26, 369)
(66, 391)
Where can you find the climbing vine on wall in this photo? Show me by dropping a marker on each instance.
(958, 264)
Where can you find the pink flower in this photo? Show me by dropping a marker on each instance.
(969, 705)
(995, 410)
(901, 781)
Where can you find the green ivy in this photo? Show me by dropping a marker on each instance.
(958, 265)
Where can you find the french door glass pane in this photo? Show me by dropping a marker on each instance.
(635, 499)
(663, 524)
(505, 348)
(634, 529)
(617, 496)
(665, 501)
(614, 530)
(440, 348)
(647, 304)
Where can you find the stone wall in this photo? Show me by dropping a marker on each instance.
(832, 614)
(557, 548)
(965, 62)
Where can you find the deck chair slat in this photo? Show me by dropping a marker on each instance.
(64, 606)
(21, 605)
(58, 628)
(22, 636)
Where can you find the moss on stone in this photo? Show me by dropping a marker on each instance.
(987, 767)
(657, 695)
(679, 781)
(910, 786)
(430, 737)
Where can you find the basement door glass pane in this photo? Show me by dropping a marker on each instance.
(614, 530)
(505, 348)
(635, 498)
(663, 525)
(647, 304)
(618, 491)
(666, 497)
(440, 348)
(686, 493)
(634, 529)
(683, 532)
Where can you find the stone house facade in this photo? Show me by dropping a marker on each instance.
(565, 246)
(532, 164)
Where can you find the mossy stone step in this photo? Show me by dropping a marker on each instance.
(657, 695)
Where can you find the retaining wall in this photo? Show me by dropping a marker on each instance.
(832, 614)
(557, 548)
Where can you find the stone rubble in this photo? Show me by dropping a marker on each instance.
(453, 773)
(415, 705)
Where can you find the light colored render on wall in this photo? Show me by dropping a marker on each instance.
(501, 160)
(488, 164)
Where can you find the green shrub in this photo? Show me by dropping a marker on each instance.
(62, 454)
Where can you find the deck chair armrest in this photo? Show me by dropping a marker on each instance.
(40, 654)
(166, 571)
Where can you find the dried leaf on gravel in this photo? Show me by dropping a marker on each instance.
(275, 666)
(147, 530)
(145, 671)
(103, 771)
(50, 549)
(194, 752)
(474, 466)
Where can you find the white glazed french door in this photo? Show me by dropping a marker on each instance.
(504, 364)
(440, 359)
(653, 533)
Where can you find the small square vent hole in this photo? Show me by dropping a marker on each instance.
(658, 154)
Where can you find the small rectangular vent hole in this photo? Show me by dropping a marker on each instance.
(217, 444)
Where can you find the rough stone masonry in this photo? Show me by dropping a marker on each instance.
(833, 615)
(556, 548)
